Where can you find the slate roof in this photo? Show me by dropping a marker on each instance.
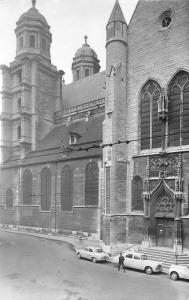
(84, 90)
(117, 14)
(50, 148)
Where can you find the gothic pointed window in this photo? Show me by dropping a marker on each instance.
(66, 189)
(150, 124)
(137, 189)
(27, 187)
(91, 184)
(9, 198)
(178, 110)
(45, 189)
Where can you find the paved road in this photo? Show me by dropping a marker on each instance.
(39, 269)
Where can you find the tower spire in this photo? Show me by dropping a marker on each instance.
(117, 14)
(33, 3)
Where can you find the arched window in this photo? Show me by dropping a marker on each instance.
(9, 198)
(66, 189)
(86, 72)
(77, 75)
(150, 124)
(44, 44)
(32, 41)
(178, 110)
(19, 104)
(19, 77)
(45, 189)
(21, 42)
(91, 184)
(27, 187)
(19, 132)
(137, 189)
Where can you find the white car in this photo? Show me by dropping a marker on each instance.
(94, 254)
(140, 261)
(179, 271)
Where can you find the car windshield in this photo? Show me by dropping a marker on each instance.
(144, 257)
(98, 250)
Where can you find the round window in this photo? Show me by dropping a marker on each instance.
(166, 18)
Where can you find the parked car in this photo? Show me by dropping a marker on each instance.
(140, 261)
(94, 254)
(179, 271)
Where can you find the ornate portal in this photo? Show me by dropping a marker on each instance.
(165, 205)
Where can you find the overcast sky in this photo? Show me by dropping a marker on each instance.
(70, 20)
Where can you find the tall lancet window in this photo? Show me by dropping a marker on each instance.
(91, 183)
(178, 110)
(45, 189)
(150, 124)
(67, 189)
(27, 187)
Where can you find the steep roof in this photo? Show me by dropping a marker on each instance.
(117, 14)
(51, 147)
(84, 90)
(89, 131)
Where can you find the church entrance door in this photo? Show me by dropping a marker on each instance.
(165, 232)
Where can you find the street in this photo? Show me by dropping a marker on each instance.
(39, 269)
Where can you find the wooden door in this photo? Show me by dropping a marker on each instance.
(165, 232)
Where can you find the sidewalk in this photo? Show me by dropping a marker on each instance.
(76, 241)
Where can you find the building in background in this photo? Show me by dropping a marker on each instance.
(108, 154)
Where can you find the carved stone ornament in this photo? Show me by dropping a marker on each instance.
(166, 205)
(146, 196)
(164, 164)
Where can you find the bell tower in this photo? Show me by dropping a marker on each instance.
(30, 83)
(33, 34)
(85, 62)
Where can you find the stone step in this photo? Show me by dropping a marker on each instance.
(166, 252)
(166, 257)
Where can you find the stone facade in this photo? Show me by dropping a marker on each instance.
(122, 134)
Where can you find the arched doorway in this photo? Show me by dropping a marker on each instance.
(162, 211)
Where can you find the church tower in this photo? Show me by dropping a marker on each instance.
(30, 86)
(33, 34)
(114, 153)
(85, 62)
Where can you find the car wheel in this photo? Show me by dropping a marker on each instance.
(174, 276)
(148, 270)
(78, 255)
(94, 260)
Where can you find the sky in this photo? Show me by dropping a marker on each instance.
(69, 20)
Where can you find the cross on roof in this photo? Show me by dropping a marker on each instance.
(33, 3)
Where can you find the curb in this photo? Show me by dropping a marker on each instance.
(68, 240)
(42, 236)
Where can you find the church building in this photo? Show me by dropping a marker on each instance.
(106, 156)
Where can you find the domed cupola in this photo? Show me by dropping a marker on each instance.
(33, 34)
(85, 62)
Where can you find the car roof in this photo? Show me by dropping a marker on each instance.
(93, 247)
(134, 253)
